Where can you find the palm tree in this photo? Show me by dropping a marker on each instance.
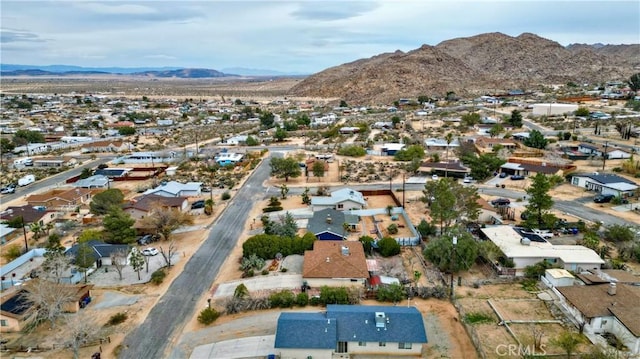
(449, 138)
(36, 228)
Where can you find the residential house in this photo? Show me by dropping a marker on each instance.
(16, 311)
(529, 169)
(101, 251)
(237, 140)
(603, 276)
(351, 330)
(488, 213)
(524, 251)
(112, 172)
(177, 189)
(390, 149)
(61, 199)
(329, 224)
(49, 162)
(597, 150)
(107, 146)
(605, 308)
(441, 144)
(165, 122)
(228, 158)
(7, 234)
(349, 130)
(342, 199)
(451, 169)
(29, 214)
(148, 157)
(97, 181)
(141, 207)
(605, 183)
(32, 148)
(383, 125)
(335, 263)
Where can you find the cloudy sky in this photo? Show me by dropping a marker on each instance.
(287, 36)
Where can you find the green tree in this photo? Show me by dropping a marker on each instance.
(352, 151)
(280, 134)
(591, 240)
(634, 82)
(495, 130)
(343, 103)
(267, 119)
(136, 260)
(410, 153)
(391, 293)
(395, 120)
(90, 235)
(568, 341)
(618, 233)
(449, 201)
(126, 131)
(37, 229)
(118, 227)
(581, 112)
(84, 258)
(305, 196)
(6, 146)
(285, 168)
(441, 253)
(540, 203)
(22, 137)
(252, 141)
(303, 120)
(388, 247)
(536, 140)
(470, 119)
(367, 243)
(284, 190)
(103, 201)
(426, 229)
(241, 291)
(86, 173)
(516, 119)
(318, 168)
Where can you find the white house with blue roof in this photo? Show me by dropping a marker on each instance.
(341, 200)
(351, 330)
(177, 189)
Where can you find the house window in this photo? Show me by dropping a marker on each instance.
(404, 345)
(4, 323)
(382, 344)
(342, 347)
(340, 206)
(362, 344)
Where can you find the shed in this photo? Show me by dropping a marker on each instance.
(558, 277)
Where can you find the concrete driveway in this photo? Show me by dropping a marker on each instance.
(270, 282)
(251, 347)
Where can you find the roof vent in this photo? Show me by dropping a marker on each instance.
(328, 259)
(525, 241)
(612, 289)
(380, 320)
(329, 220)
(345, 250)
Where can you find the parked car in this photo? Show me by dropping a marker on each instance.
(146, 239)
(205, 189)
(434, 177)
(517, 178)
(498, 202)
(467, 180)
(8, 189)
(603, 198)
(197, 204)
(503, 174)
(150, 251)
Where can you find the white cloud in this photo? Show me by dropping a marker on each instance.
(301, 36)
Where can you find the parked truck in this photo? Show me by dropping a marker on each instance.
(26, 180)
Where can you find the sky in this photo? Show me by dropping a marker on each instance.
(286, 36)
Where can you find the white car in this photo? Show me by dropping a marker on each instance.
(467, 180)
(434, 177)
(150, 251)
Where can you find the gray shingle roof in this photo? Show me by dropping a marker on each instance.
(318, 223)
(306, 330)
(605, 178)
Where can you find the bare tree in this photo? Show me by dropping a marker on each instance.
(55, 265)
(166, 220)
(168, 253)
(79, 330)
(146, 262)
(47, 299)
(119, 261)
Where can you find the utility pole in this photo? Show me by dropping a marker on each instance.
(24, 232)
(403, 174)
(453, 262)
(604, 156)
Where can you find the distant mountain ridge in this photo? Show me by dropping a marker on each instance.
(64, 70)
(478, 64)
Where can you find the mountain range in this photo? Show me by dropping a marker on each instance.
(485, 63)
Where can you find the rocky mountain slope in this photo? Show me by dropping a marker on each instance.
(483, 63)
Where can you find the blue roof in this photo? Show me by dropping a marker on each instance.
(358, 323)
(305, 330)
(349, 323)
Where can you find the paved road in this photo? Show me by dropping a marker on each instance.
(53, 180)
(153, 338)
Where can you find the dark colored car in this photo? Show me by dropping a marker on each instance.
(603, 198)
(517, 178)
(500, 202)
(503, 174)
(146, 239)
(197, 204)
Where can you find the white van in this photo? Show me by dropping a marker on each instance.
(26, 180)
(27, 161)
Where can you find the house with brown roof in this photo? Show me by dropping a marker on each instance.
(140, 207)
(451, 169)
(107, 146)
(29, 215)
(335, 263)
(487, 144)
(605, 308)
(61, 199)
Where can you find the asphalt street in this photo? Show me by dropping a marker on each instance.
(154, 337)
(53, 181)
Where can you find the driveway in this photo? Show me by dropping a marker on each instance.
(252, 347)
(259, 283)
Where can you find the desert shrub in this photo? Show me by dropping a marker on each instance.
(530, 285)
(282, 299)
(439, 292)
(265, 272)
(478, 318)
(226, 195)
(251, 262)
(302, 299)
(272, 209)
(12, 253)
(391, 293)
(208, 316)
(393, 228)
(158, 276)
(248, 274)
(283, 270)
(117, 318)
(388, 247)
(353, 151)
